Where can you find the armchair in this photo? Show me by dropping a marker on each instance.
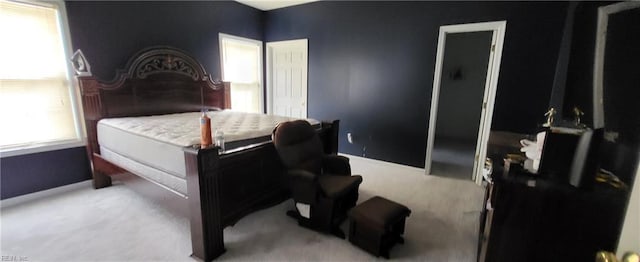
(321, 185)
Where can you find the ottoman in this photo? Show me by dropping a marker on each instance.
(377, 224)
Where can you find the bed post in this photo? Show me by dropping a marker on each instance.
(329, 136)
(92, 107)
(205, 220)
(227, 95)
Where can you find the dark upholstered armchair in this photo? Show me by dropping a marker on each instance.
(321, 186)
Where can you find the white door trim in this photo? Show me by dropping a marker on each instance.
(498, 29)
(223, 36)
(270, 46)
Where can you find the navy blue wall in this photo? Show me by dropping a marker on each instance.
(109, 33)
(35, 172)
(371, 65)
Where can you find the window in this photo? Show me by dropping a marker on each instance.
(37, 98)
(242, 66)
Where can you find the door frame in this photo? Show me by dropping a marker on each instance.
(491, 84)
(269, 51)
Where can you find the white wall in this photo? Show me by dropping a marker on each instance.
(630, 237)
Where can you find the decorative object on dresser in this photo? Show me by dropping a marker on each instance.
(219, 187)
(80, 64)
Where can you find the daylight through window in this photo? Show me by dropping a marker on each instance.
(36, 106)
(242, 66)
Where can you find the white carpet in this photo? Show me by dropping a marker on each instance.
(118, 224)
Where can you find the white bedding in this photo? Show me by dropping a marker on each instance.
(151, 146)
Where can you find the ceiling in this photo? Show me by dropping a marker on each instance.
(266, 5)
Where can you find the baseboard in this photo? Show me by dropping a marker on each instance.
(380, 162)
(9, 202)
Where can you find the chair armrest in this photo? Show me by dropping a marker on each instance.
(303, 185)
(336, 165)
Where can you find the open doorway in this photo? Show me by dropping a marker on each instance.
(464, 86)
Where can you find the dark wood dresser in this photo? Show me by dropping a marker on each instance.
(533, 218)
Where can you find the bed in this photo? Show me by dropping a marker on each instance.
(153, 146)
(144, 122)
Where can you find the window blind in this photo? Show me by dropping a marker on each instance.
(36, 104)
(242, 66)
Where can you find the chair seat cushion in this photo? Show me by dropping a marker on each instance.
(379, 212)
(336, 186)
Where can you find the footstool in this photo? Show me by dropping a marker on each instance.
(377, 224)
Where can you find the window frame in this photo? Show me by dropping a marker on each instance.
(74, 92)
(221, 38)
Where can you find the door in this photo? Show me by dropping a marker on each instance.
(287, 78)
(465, 79)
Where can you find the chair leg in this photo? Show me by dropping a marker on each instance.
(293, 214)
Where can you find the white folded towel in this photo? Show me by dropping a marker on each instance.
(533, 150)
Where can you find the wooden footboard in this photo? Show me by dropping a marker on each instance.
(226, 187)
(223, 188)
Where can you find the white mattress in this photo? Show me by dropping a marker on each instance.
(157, 141)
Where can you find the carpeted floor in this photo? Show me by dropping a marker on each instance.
(453, 159)
(119, 224)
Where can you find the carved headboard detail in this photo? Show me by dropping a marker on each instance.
(161, 60)
(156, 80)
(163, 63)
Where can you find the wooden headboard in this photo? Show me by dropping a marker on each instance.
(156, 80)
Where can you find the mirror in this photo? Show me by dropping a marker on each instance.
(616, 87)
(462, 87)
(465, 81)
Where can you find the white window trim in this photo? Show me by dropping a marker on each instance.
(74, 93)
(223, 36)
